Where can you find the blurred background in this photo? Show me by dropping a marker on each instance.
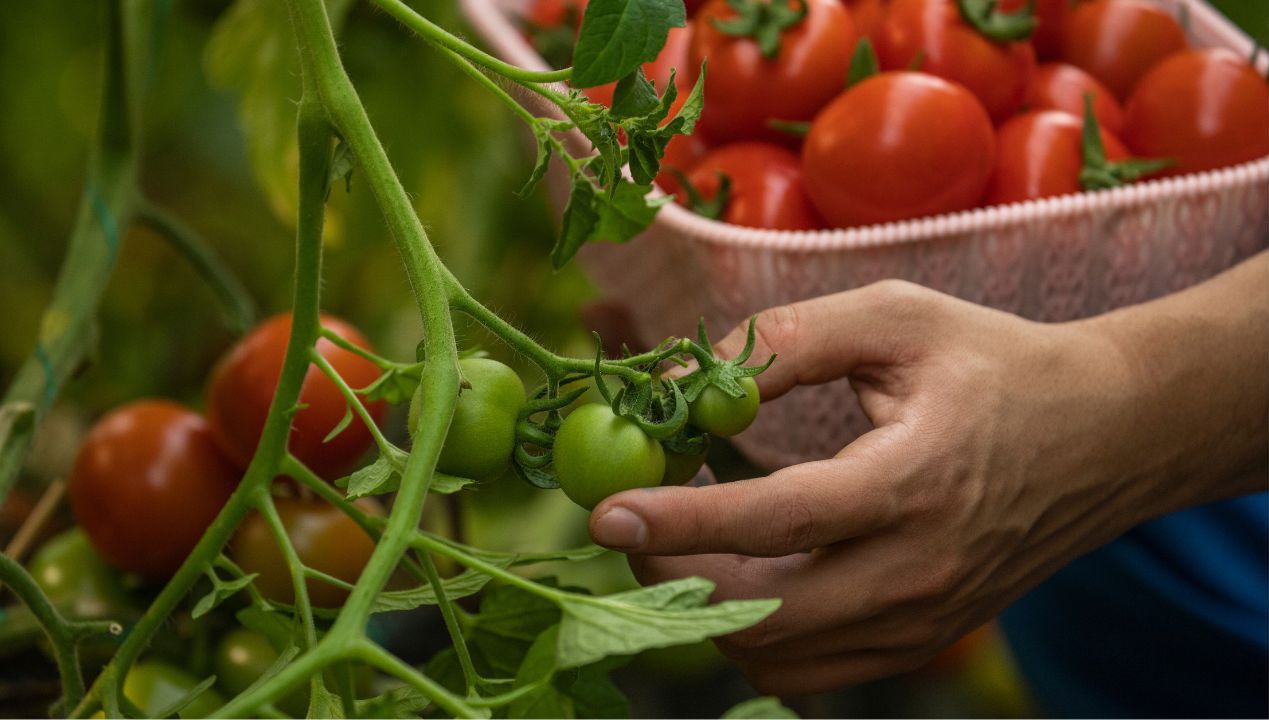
(218, 153)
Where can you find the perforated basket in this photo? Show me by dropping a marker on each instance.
(1051, 260)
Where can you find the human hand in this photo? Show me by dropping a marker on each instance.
(1002, 449)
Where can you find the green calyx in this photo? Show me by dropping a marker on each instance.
(722, 374)
(712, 208)
(863, 64)
(764, 21)
(987, 18)
(1099, 173)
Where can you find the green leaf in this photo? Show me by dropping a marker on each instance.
(988, 19)
(618, 36)
(635, 96)
(187, 699)
(463, 585)
(221, 590)
(399, 702)
(381, 476)
(538, 667)
(659, 616)
(863, 64)
(581, 215)
(395, 386)
(626, 214)
(280, 630)
(342, 164)
(325, 704)
(341, 426)
(543, 162)
(594, 694)
(762, 707)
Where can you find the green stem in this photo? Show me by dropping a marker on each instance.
(350, 397)
(238, 305)
(389, 663)
(451, 623)
(288, 678)
(427, 543)
(474, 72)
(437, 35)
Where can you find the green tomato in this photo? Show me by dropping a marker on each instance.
(482, 434)
(244, 655)
(680, 468)
(153, 686)
(78, 580)
(598, 453)
(718, 413)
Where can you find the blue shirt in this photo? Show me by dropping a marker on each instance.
(1170, 620)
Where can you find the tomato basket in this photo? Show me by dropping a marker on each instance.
(1050, 260)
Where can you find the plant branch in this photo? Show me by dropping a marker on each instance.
(389, 663)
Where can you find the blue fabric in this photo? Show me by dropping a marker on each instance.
(1170, 620)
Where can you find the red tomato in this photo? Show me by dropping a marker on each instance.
(767, 188)
(744, 89)
(147, 482)
(1040, 154)
(1059, 86)
(325, 539)
(1205, 108)
(896, 146)
(681, 154)
(1118, 41)
(1050, 15)
(869, 15)
(673, 56)
(242, 386)
(997, 73)
(693, 6)
(553, 13)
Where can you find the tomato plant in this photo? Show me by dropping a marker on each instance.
(1119, 41)
(242, 386)
(155, 686)
(718, 413)
(325, 539)
(483, 432)
(147, 482)
(682, 467)
(754, 184)
(897, 146)
(598, 453)
(805, 57)
(77, 578)
(932, 35)
(1205, 108)
(1058, 86)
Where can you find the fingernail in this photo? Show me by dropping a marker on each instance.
(619, 528)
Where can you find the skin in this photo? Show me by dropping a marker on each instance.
(1206, 108)
(1118, 41)
(1003, 449)
(1040, 154)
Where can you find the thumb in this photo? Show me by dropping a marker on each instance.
(793, 510)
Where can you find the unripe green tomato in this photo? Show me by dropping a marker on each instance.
(598, 453)
(77, 579)
(242, 657)
(718, 413)
(679, 468)
(482, 434)
(153, 686)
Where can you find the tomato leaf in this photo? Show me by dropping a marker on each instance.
(325, 704)
(463, 585)
(761, 707)
(396, 385)
(618, 36)
(341, 426)
(221, 591)
(635, 96)
(663, 615)
(381, 476)
(398, 702)
(342, 164)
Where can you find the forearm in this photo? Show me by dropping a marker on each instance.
(1194, 405)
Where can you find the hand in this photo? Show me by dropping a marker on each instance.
(1002, 449)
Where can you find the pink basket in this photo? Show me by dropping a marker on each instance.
(1050, 260)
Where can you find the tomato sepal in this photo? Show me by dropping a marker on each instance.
(723, 374)
(989, 20)
(763, 21)
(1098, 173)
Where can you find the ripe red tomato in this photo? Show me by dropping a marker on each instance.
(325, 539)
(147, 482)
(1050, 15)
(673, 56)
(1040, 154)
(997, 73)
(1205, 108)
(869, 15)
(767, 187)
(681, 154)
(553, 13)
(1058, 86)
(1118, 41)
(744, 89)
(896, 146)
(242, 386)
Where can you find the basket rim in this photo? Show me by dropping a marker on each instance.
(492, 20)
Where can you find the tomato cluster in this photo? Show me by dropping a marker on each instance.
(972, 104)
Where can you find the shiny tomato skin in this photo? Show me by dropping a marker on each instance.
(767, 186)
(997, 73)
(1050, 16)
(899, 145)
(244, 380)
(598, 453)
(1205, 108)
(1040, 154)
(744, 90)
(553, 13)
(1059, 86)
(720, 414)
(869, 16)
(147, 482)
(1119, 41)
(324, 538)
